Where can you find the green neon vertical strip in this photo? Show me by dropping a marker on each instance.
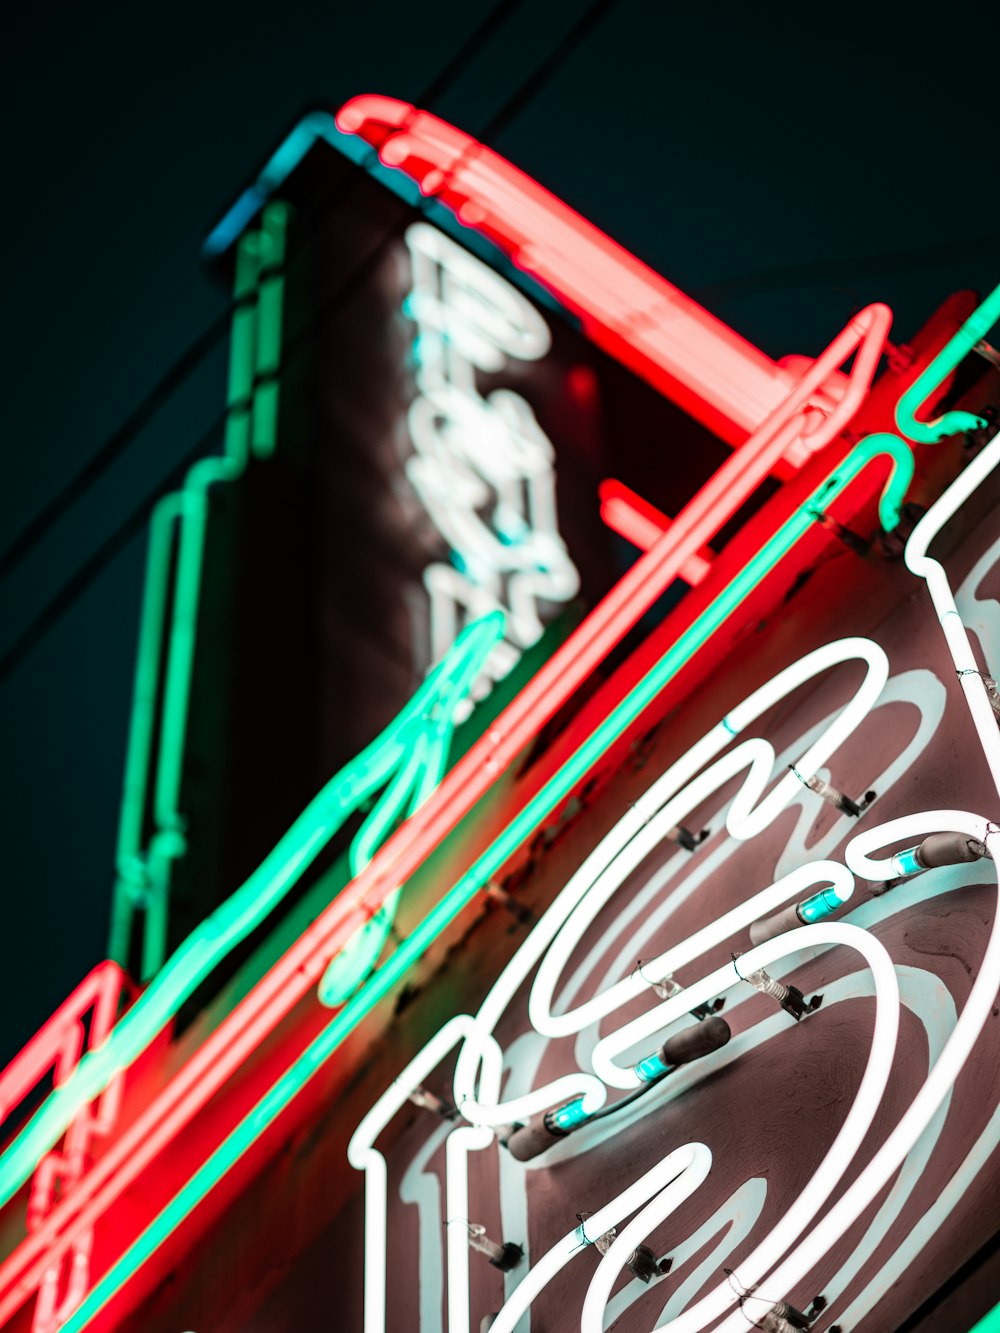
(256, 250)
(132, 879)
(139, 880)
(242, 336)
(195, 516)
(183, 626)
(522, 826)
(267, 360)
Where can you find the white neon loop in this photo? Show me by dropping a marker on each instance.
(491, 314)
(759, 754)
(654, 1021)
(982, 996)
(904, 830)
(757, 703)
(677, 1175)
(656, 1211)
(933, 572)
(979, 1005)
(901, 1140)
(482, 466)
(593, 885)
(856, 1123)
(792, 887)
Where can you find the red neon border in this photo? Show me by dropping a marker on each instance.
(624, 306)
(58, 1043)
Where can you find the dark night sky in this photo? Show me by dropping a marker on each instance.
(844, 157)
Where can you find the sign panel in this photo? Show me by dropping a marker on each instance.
(685, 1053)
(840, 1146)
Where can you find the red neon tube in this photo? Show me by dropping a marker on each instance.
(642, 524)
(624, 306)
(296, 973)
(58, 1042)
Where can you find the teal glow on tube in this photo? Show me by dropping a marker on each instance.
(907, 863)
(566, 1118)
(651, 1068)
(820, 905)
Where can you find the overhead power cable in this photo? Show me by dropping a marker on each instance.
(163, 390)
(529, 88)
(98, 561)
(64, 599)
(115, 445)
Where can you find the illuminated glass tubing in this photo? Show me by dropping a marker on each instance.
(319, 1048)
(340, 1027)
(522, 826)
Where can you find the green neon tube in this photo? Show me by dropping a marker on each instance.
(423, 728)
(179, 522)
(412, 949)
(267, 354)
(415, 945)
(975, 328)
(132, 885)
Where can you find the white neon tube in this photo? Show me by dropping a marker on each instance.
(464, 299)
(655, 1212)
(364, 1157)
(654, 1021)
(982, 996)
(757, 703)
(746, 817)
(856, 1124)
(979, 1005)
(893, 1151)
(482, 467)
(905, 830)
(744, 821)
(459, 1143)
(932, 571)
(507, 983)
(593, 885)
(376, 1236)
(788, 889)
(692, 1161)
(480, 1111)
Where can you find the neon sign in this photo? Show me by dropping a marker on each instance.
(309, 959)
(685, 786)
(684, 1168)
(626, 308)
(347, 1018)
(144, 863)
(483, 468)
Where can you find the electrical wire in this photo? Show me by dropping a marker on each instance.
(530, 87)
(97, 563)
(163, 390)
(68, 594)
(622, 1102)
(38, 528)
